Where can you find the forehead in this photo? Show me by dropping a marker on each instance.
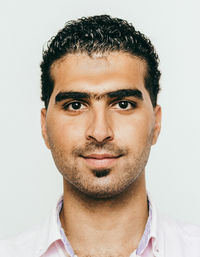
(98, 73)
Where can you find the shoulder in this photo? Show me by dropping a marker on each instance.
(34, 242)
(22, 245)
(171, 228)
(173, 237)
(183, 238)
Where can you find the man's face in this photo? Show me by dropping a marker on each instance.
(100, 122)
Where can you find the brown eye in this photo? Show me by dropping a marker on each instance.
(76, 105)
(123, 104)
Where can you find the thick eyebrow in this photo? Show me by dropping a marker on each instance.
(70, 95)
(118, 94)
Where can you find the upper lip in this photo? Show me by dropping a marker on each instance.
(100, 156)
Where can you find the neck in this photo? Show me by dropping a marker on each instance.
(105, 224)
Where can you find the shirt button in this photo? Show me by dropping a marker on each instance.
(156, 252)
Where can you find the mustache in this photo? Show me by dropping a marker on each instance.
(94, 147)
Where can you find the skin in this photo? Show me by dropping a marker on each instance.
(101, 146)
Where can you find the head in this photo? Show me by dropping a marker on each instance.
(100, 81)
(99, 35)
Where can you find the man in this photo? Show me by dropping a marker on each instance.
(100, 81)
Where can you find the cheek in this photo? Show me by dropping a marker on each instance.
(64, 132)
(134, 131)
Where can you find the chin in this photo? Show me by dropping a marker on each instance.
(103, 189)
(101, 195)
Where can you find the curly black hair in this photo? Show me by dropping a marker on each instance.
(100, 34)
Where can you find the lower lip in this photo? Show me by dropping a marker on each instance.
(100, 163)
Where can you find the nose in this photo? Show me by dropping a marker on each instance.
(99, 129)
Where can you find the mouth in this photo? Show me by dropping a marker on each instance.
(100, 161)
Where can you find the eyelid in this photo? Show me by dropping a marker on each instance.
(123, 100)
(132, 103)
(66, 105)
(69, 101)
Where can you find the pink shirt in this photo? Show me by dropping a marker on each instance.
(163, 237)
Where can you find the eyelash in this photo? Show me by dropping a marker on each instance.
(133, 104)
(67, 105)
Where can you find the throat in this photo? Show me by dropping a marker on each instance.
(105, 227)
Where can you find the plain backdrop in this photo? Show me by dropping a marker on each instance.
(29, 181)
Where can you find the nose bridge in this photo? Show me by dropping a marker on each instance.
(99, 127)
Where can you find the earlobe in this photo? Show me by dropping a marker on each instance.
(157, 126)
(43, 126)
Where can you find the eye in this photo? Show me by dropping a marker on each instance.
(74, 106)
(125, 105)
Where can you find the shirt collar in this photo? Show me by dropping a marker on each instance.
(49, 232)
(150, 233)
(147, 233)
(65, 241)
(52, 231)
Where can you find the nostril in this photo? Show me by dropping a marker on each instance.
(109, 138)
(97, 141)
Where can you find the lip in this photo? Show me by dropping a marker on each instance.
(100, 161)
(100, 156)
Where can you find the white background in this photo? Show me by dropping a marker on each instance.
(29, 181)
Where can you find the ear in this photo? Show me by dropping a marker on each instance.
(44, 126)
(157, 125)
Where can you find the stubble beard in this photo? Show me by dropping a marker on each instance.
(96, 187)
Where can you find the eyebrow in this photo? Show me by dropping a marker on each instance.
(118, 94)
